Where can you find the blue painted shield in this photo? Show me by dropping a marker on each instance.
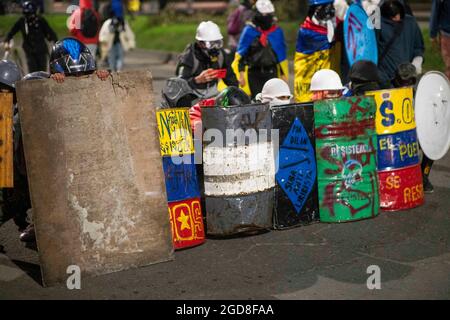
(181, 180)
(359, 39)
(296, 166)
(396, 151)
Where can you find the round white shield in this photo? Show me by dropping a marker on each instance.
(432, 109)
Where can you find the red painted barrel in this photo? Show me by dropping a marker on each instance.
(401, 189)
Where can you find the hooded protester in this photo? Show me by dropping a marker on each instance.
(261, 54)
(236, 22)
(276, 92)
(399, 41)
(84, 25)
(326, 84)
(204, 62)
(35, 31)
(440, 30)
(364, 76)
(316, 44)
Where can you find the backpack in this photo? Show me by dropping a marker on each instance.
(234, 23)
(262, 56)
(89, 23)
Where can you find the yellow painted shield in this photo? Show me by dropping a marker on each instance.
(175, 133)
(395, 110)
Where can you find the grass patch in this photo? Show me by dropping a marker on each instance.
(171, 32)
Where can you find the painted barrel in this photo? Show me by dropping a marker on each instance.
(238, 166)
(295, 201)
(346, 159)
(399, 170)
(183, 194)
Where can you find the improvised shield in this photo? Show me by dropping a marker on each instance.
(296, 185)
(433, 114)
(238, 169)
(359, 37)
(346, 159)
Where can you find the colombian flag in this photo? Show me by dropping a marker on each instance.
(313, 52)
(274, 36)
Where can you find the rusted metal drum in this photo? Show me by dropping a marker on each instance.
(183, 194)
(296, 201)
(238, 166)
(346, 159)
(398, 150)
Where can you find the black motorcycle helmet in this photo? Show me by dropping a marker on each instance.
(232, 96)
(9, 74)
(364, 76)
(71, 57)
(29, 8)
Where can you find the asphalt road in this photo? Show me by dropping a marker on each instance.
(321, 261)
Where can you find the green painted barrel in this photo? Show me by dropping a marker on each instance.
(346, 154)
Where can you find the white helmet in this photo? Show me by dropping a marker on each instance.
(265, 6)
(208, 31)
(326, 79)
(275, 92)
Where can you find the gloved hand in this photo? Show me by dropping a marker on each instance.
(417, 62)
(341, 7)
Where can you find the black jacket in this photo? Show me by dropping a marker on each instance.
(33, 35)
(187, 64)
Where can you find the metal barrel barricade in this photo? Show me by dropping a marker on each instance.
(346, 159)
(295, 163)
(183, 195)
(399, 171)
(238, 168)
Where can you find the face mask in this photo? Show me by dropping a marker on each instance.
(264, 22)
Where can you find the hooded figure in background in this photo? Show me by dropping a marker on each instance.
(399, 41)
(364, 76)
(35, 31)
(316, 46)
(261, 54)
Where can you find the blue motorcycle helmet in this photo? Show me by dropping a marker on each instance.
(71, 57)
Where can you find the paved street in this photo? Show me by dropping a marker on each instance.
(321, 261)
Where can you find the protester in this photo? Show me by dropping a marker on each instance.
(236, 22)
(364, 76)
(261, 54)
(275, 92)
(399, 41)
(116, 37)
(84, 25)
(35, 31)
(316, 46)
(204, 62)
(15, 201)
(326, 84)
(440, 30)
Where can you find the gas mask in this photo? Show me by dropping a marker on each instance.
(263, 21)
(324, 15)
(211, 48)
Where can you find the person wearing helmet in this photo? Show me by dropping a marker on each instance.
(275, 92)
(15, 201)
(364, 76)
(316, 44)
(35, 34)
(70, 57)
(261, 54)
(204, 62)
(177, 93)
(326, 84)
(399, 40)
